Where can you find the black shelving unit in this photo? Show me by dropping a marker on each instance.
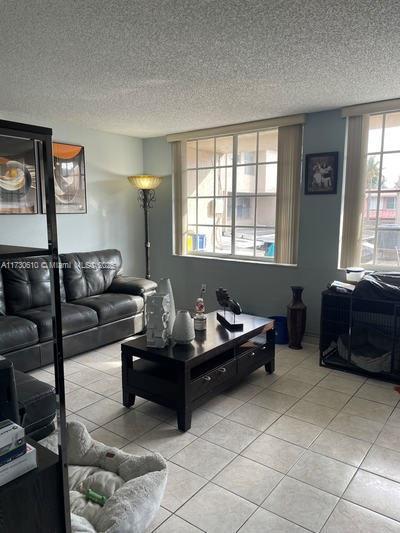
(42, 137)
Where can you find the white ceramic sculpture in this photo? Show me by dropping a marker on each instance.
(165, 287)
(158, 312)
(183, 332)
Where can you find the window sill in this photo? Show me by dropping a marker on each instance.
(236, 259)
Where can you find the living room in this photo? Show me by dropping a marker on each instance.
(200, 266)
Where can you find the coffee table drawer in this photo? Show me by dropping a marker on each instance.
(253, 359)
(209, 381)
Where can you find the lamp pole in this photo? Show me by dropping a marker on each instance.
(146, 184)
(146, 199)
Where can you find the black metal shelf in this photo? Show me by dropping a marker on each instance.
(12, 252)
(43, 136)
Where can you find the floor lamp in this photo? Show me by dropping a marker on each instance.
(146, 186)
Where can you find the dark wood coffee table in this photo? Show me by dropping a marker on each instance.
(183, 377)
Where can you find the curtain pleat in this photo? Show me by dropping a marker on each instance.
(179, 211)
(288, 194)
(354, 191)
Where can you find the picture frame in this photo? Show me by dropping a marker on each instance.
(69, 179)
(19, 176)
(321, 173)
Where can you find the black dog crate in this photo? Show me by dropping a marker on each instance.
(360, 335)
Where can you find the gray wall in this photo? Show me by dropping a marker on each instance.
(114, 218)
(261, 289)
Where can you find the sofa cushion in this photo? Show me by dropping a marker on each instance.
(89, 273)
(111, 307)
(27, 284)
(16, 333)
(75, 318)
(2, 299)
(37, 402)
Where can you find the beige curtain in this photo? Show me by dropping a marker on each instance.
(179, 212)
(353, 199)
(288, 193)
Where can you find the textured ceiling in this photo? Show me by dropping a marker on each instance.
(151, 67)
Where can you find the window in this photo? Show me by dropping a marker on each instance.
(231, 184)
(381, 215)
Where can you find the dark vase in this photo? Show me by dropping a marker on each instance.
(296, 317)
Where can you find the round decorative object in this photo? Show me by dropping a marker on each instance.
(296, 317)
(183, 330)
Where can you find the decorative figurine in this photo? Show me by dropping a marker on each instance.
(158, 315)
(200, 319)
(234, 307)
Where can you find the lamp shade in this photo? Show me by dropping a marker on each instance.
(145, 181)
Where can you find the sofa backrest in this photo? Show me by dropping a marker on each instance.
(27, 284)
(2, 299)
(89, 273)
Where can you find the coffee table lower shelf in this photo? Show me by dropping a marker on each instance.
(183, 385)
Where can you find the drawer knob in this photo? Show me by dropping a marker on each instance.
(207, 378)
(222, 370)
(264, 348)
(253, 354)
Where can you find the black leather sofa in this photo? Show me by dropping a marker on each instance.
(99, 306)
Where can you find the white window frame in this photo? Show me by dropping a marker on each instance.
(381, 153)
(235, 165)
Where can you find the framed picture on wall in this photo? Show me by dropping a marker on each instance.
(69, 178)
(321, 174)
(18, 176)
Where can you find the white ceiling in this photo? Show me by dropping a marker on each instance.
(151, 67)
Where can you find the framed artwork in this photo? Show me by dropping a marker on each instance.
(321, 173)
(69, 178)
(18, 176)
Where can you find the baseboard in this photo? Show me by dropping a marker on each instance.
(311, 338)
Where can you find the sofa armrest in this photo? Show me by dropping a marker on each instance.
(129, 285)
(9, 401)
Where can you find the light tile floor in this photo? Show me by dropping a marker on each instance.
(306, 449)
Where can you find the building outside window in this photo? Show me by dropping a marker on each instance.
(231, 184)
(381, 217)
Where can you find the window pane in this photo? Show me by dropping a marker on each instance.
(244, 241)
(265, 242)
(224, 151)
(368, 242)
(268, 146)
(388, 245)
(223, 181)
(191, 182)
(205, 239)
(191, 211)
(223, 211)
(375, 133)
(223, 240)
(205, 182)
(191, 154)
(246, 179)
(266, 211)
(247, 147)
(388, 211)
(267, 178)
(373, 166)
(391, 171)
(245, 210)
(205, 149)
(392, 132)
(205, 213)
